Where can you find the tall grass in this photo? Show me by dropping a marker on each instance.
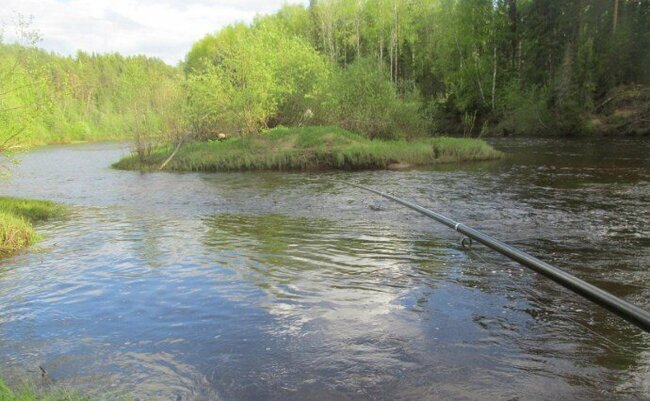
(313, 148)
(15, 233)
(16, 218)
(29, 393)
(33, 210)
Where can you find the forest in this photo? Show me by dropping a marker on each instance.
(382, 68)
(392, 68)
(47, 98)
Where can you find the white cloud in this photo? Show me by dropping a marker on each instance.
(160, 28)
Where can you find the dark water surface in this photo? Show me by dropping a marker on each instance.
(256, 286)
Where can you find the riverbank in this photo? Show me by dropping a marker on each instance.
(312, 148)
(625, 111)
(29, 393)
(16, 221)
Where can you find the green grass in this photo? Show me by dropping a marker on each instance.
(16, 218)
(29, 393)
(312, 148)
(32, 210)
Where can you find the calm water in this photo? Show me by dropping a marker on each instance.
(248, 286)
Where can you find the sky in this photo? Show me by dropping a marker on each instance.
(161, 28)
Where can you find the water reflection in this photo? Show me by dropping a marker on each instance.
(318, 269)
(295, 286)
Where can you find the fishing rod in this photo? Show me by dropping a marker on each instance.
(619, 307)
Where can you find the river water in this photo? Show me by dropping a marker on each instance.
(274, 286)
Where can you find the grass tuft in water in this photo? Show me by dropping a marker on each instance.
(313, 148)
(16, 218)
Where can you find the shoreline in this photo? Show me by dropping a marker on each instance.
(17, 219)
(319, 148)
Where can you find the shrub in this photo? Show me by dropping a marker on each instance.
(361, 98)
(246, 79)
(524, 112)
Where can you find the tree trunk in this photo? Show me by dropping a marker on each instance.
(396, 42)
(323, 36)
(615, 18)
(564, 85)
(391, 39)
(478, 78)
(358, 41)
(358, 26)
(392, 46)
(381, 50)
(520, 46)
(494, 79)
(512, 14)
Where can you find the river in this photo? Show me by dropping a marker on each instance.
(274, 286)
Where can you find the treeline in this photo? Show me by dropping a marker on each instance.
(46, 98)
(382, 68)
(402, 67)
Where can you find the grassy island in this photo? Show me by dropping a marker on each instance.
(312, 148)
(16, 219)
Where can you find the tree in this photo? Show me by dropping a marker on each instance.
(12, 82)
(272, 79)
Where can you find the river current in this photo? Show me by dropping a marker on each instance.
(295, 286)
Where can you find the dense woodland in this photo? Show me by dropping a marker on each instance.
(383, 68)
(47, 98)
(394, 68)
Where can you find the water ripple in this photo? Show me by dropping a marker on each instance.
(294, 286)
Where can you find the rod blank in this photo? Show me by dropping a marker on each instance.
(618, 306)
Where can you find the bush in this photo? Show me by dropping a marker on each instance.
(246, 79)
(524, 112)
(362, 99)
(407, 119)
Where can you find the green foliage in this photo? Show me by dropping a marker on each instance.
(46, 98)
(245, 79)
(524, 111)
(313, 148)
(361, 98)
(383, 68)
(32, 210)
(465, 56)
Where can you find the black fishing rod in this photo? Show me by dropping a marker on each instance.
(621, 308)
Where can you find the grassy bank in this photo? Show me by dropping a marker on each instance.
(29, 393)
(312, 148)
(16, 218)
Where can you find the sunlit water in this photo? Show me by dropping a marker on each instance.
(247, 286)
